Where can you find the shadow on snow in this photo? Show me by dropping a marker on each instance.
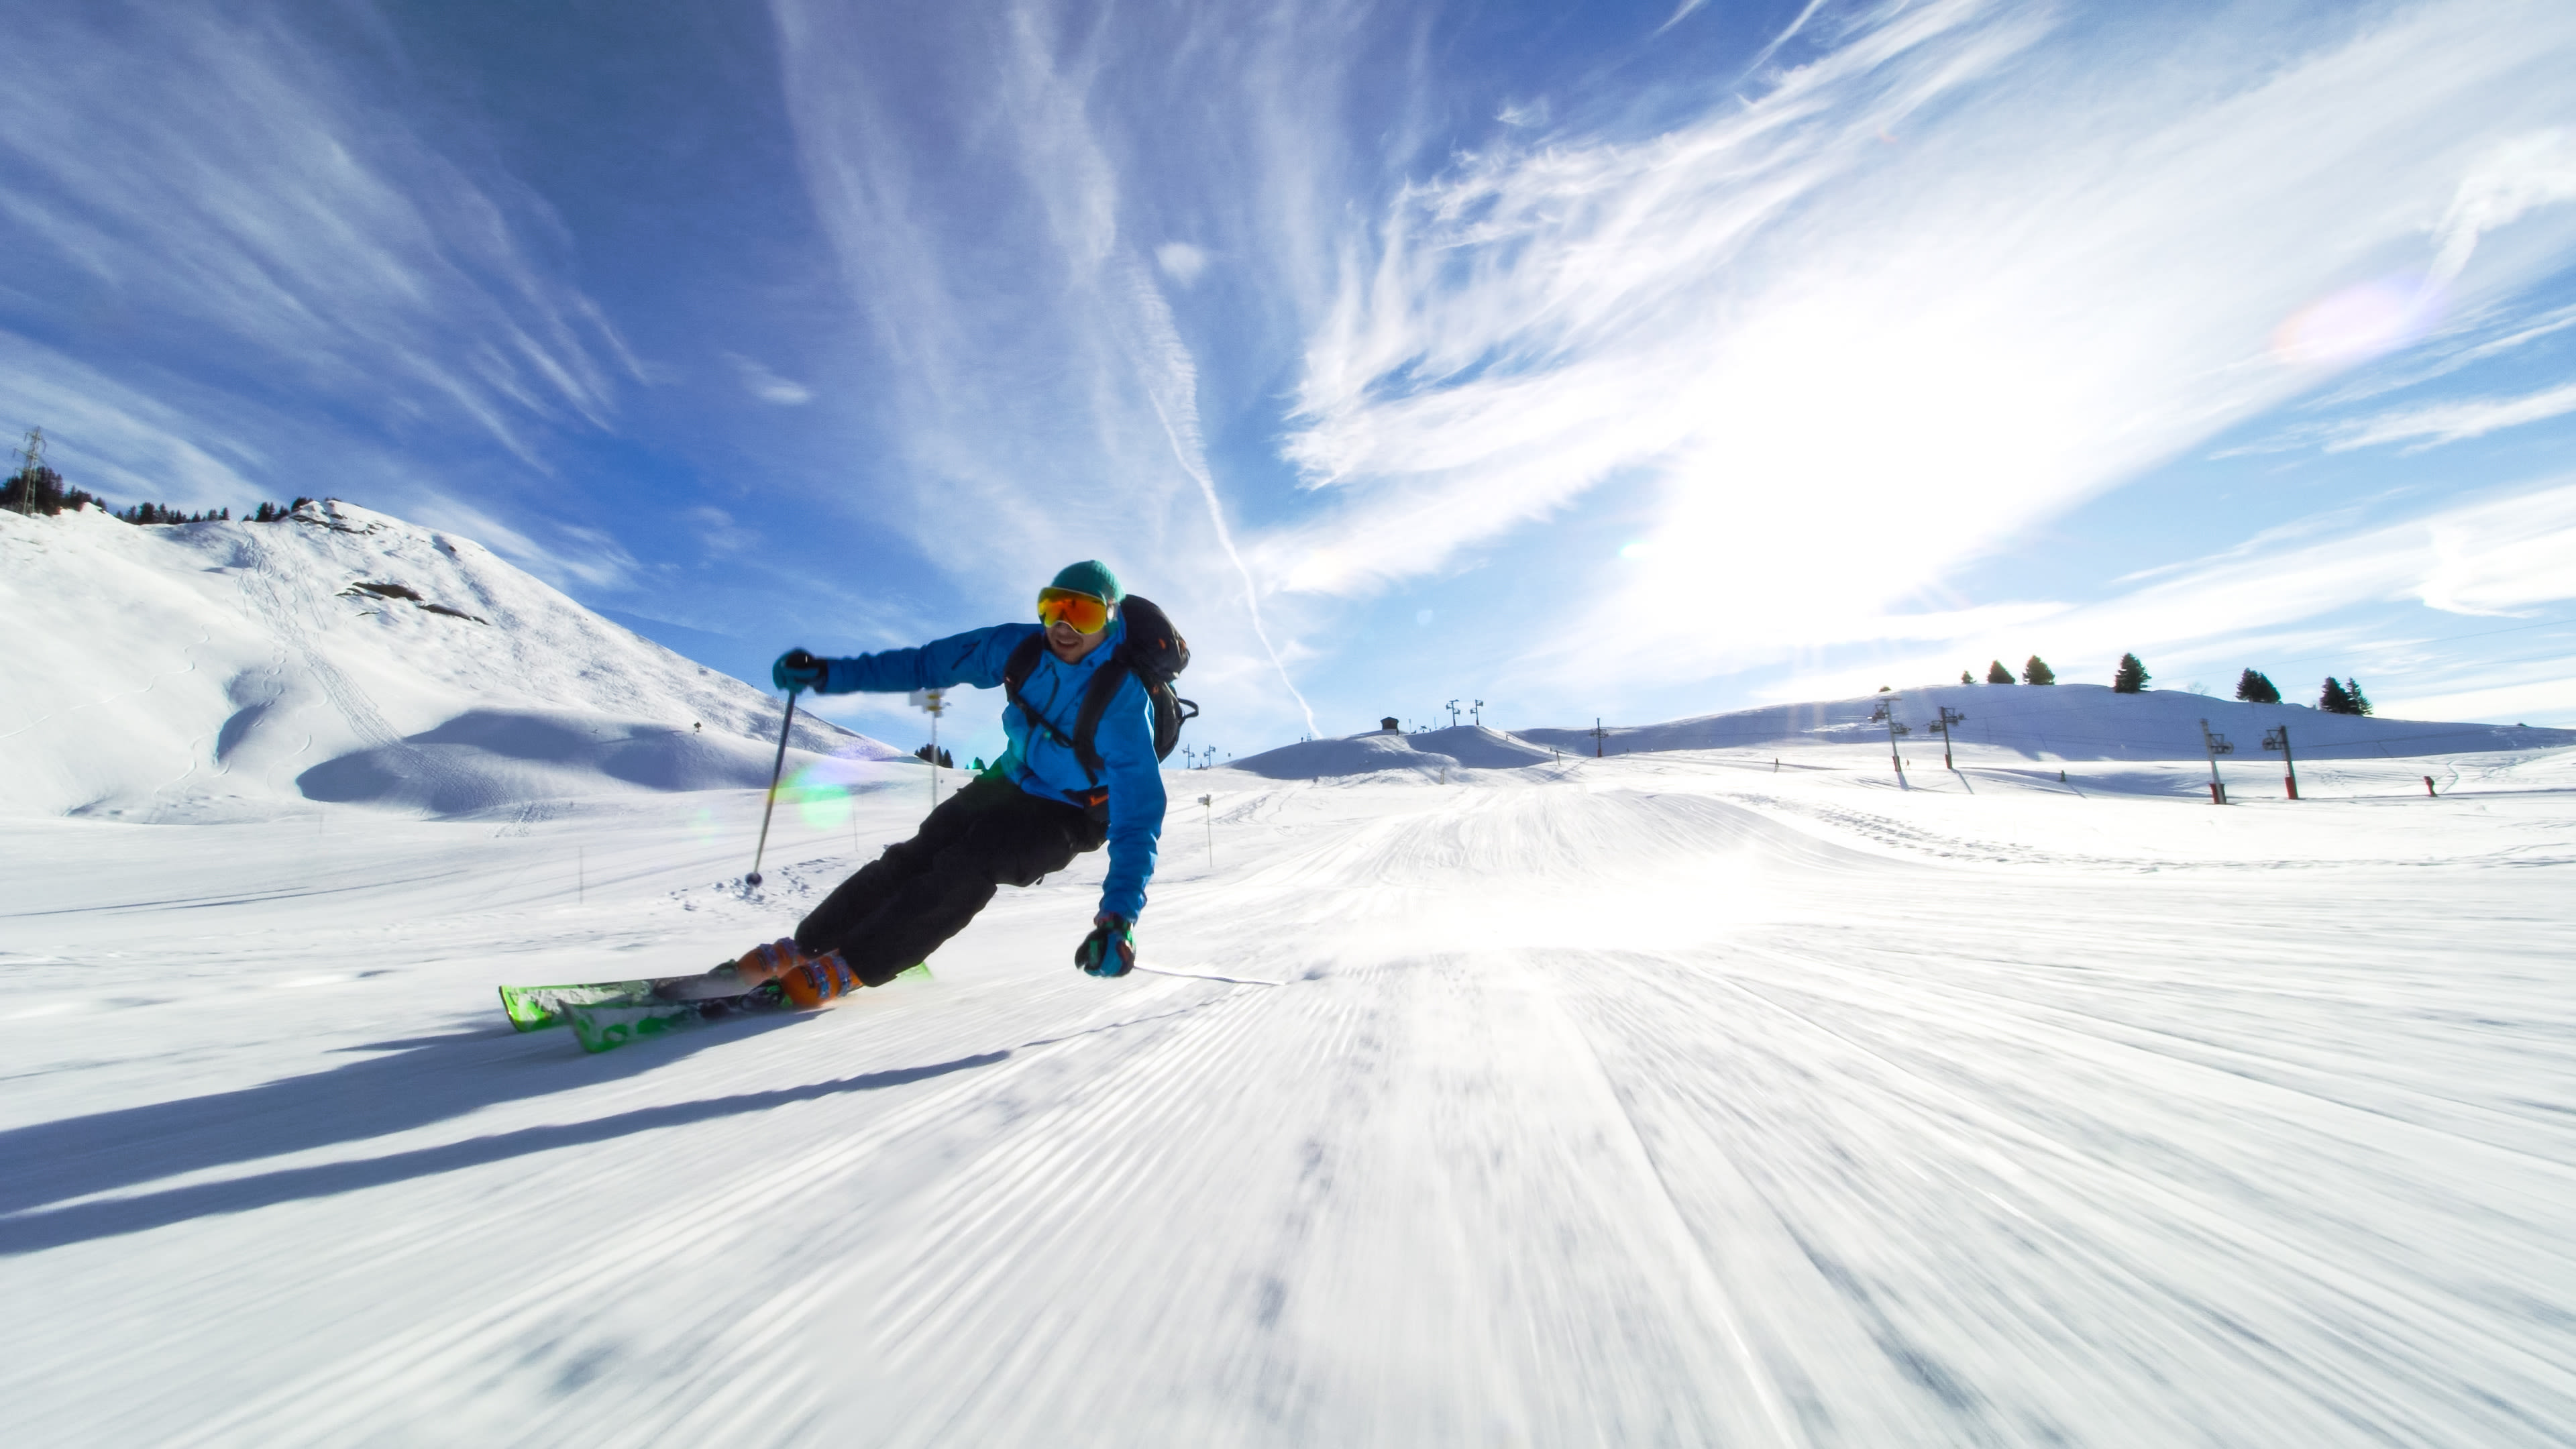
(425, 1080)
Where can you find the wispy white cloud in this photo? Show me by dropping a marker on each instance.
(236, 195)
(595, 557)
(2515, 176)
(720, 533)
(766, 385)
(1181, 262)
(2449, 422)
(1953, 275)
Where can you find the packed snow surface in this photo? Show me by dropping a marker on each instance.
(1672, 1098)
(219, 671)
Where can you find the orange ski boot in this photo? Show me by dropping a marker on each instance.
(768, 962)
(819, 979)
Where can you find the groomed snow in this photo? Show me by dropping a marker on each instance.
(1669, 1098)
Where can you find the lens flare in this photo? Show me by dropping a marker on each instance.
(2358, 323)
(821, 791)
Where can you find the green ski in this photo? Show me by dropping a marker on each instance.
(534, 1008)
(601, 1025)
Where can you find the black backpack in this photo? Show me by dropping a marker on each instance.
(1153, 651)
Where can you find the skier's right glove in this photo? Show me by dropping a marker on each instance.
(1110, 949)
(797, 669)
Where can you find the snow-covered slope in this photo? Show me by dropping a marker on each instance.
(1430, 752)
(223, 670)
(2065, 722)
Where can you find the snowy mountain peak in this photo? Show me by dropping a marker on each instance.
(222, 670)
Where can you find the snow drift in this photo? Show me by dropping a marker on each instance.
(210, 671)
(2065, 722)
(1469, 747)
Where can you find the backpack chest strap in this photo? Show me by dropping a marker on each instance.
(1096, 695)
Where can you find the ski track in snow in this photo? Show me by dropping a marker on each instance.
(1656, 1100)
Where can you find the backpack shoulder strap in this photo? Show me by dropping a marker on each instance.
(1015, 672)
(1103, 688)
(1022, 663)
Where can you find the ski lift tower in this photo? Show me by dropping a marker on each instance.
(1896, 729)
(2278, 738)
(31, 455)
(1950, 720)
(2217, 745)
(1476, 712)
(933, 702)
(1453, 714)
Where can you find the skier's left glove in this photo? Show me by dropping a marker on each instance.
(1110, 949)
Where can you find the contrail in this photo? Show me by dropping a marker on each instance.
(1186, 447)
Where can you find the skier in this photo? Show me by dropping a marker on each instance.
(1051, 796)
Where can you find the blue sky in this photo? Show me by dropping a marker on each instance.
(1623, 360)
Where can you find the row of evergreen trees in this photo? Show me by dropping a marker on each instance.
(2345, 697)
(41, 490)
(159, 513)
(2035, 670)
(2253, 686)
(156, 513)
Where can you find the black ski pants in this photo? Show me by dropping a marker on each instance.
(904, 904)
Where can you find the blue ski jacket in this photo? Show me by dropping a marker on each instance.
(1037, 761)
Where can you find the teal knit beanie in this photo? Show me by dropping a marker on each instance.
(1092, 577)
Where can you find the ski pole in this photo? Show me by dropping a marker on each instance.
(766, 810)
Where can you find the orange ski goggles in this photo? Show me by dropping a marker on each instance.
(1087, 613)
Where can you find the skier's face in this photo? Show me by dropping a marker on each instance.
(1070, 644)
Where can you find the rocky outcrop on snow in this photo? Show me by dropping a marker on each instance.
(223, 670)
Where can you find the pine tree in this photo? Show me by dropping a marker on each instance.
(2132, 676)
(2360, 701)
(1966, 678)
(41, 490)
(2332, 698)
(2036, 671)
(2253, 688)
(1997, 674)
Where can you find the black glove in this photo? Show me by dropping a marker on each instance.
(1110, 949)
(797, 669)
